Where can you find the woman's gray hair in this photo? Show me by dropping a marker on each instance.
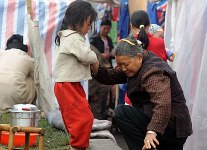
(129, 47)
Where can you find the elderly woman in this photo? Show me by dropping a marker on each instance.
(158, 117)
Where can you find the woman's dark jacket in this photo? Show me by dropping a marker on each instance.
(168, 108)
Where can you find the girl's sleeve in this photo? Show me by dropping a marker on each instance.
(83, 52)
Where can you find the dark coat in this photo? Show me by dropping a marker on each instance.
(99, 44)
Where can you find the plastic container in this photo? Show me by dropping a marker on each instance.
(19, 138)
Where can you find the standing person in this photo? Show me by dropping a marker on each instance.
(158, 117)
(104, 43)
(16, 74)
(72, 66)
(99, 94)
(140, 24)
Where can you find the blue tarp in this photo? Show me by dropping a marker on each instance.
(152, 12)
(124, 19)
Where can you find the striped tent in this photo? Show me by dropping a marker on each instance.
(13, 19)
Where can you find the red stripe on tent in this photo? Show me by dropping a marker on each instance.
(50, 29)
(10, 18)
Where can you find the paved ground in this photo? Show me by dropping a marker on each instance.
(118, 136)
(108, 144)
(120, 141)
(103, 144)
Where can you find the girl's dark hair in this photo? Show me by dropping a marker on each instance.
(140, 20)
(77, 12)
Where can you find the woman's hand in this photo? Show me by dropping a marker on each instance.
(150, 141)
(94, 68)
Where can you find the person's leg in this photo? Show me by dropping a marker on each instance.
(76, 113)
(133, 124)
(103, 95)
(169, 141)
(98, 98)
(175, 145)
(104, 105)
(94, 101)
(95, 105)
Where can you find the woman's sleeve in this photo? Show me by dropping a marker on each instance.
(157, 84)
(110, 76)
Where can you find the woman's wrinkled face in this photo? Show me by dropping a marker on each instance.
(128, 64)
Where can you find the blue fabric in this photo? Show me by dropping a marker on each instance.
(161, 8)
(121, 97)
(124, 21)
(124, 1)
(152, 12)
(161, 3)
(122, 92)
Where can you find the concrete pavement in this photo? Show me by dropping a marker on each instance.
(103, 144)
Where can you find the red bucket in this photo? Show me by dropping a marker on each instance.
(19, 138)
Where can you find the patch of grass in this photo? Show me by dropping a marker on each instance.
(54, 139)
(5, 118)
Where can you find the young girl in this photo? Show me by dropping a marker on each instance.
(140, 24)
(73, 65)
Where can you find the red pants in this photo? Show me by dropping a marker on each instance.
(76, 112)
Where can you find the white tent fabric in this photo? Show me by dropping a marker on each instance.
(45, 96)
(186, 35)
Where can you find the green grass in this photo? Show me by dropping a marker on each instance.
(54, 139)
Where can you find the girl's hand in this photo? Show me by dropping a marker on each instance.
(150, 141)
(94, 67)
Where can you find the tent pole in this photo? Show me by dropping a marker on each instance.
(137, 5)
(29, 8)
